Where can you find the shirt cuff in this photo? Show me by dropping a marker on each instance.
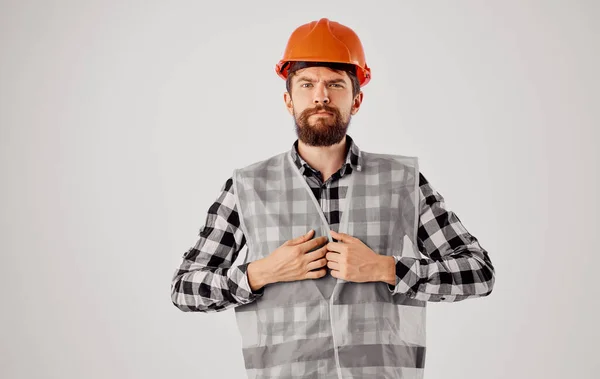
(407, 276)
(244, 293)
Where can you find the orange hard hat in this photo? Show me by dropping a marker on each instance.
(325, 41)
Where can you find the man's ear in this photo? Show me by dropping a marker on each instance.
(357, 103)
(289, 105)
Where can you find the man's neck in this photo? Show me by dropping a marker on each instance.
(326, 159)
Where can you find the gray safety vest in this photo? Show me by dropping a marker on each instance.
(327, 327)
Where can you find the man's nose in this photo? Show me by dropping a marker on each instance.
(321, 95)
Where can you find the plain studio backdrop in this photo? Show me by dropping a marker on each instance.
(121, 120)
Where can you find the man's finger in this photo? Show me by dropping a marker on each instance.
(343, 237)
(313, 243)
(335, 247)
(300, 239)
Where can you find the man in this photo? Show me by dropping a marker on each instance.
(345, 247)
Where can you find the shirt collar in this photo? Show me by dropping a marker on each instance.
(353, 157)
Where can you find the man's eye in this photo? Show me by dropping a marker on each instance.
(310, 84)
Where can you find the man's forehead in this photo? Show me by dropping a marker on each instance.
(325, 73)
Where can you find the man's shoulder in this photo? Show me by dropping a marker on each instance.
(263, 164)
(374, 159)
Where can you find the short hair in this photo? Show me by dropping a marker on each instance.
(350, 69)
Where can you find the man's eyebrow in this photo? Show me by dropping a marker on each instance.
(307, 79)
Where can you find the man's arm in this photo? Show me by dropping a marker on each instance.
(455, 266)
(205, 281)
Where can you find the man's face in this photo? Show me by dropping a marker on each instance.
(316, 90)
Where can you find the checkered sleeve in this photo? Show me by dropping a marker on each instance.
(454, 266)
(206, 281)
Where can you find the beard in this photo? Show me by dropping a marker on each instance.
(321, 130)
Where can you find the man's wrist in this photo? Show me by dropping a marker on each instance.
(387, 271)
(257, 275)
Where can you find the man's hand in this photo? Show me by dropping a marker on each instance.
(353, 261)
(291, 261)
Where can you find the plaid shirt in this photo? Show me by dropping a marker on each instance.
(454, 266)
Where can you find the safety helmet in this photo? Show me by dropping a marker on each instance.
(325, 41)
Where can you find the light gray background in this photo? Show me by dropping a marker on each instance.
(121, 120)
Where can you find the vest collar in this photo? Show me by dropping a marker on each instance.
(354, 158)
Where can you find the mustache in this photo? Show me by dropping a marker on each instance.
(323, 108)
